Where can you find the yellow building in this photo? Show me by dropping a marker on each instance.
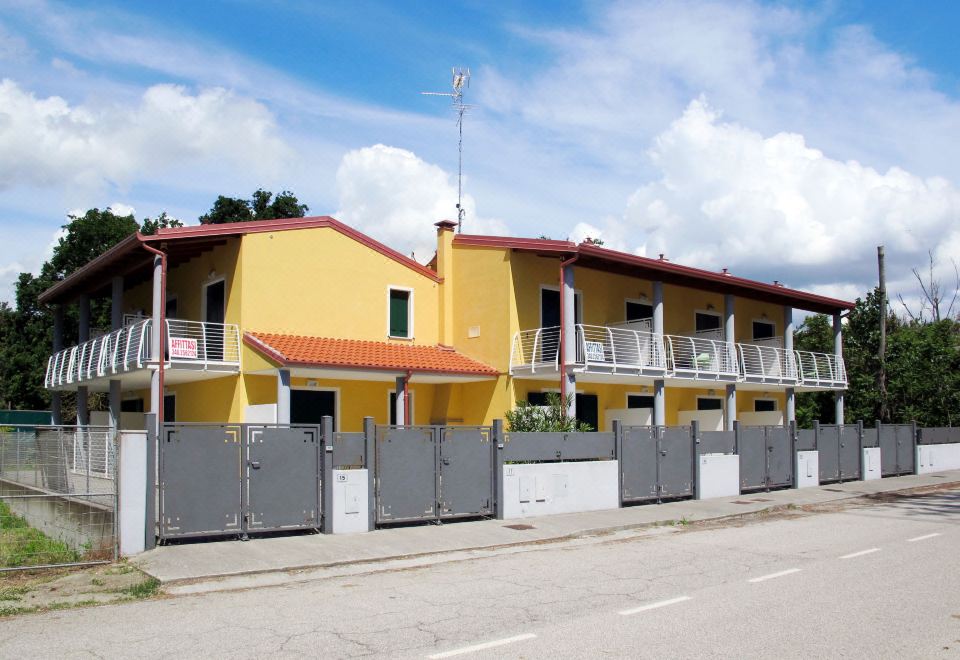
(289, 320)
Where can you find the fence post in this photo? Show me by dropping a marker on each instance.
(695, 453)
(326, 479)
(497, 443)
(860, 437)
(370, 462)
(914, 433)
(816, 435)
(150, 530)
(792, 426)
(618, 450)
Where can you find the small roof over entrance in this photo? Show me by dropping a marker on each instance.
(353, 359)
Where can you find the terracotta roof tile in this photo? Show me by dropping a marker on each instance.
(357, 354)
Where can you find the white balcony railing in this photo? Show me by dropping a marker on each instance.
(620, 350)
(821, 369)
(766, 363)
(701, 358)
(535, 350)
(208, 345)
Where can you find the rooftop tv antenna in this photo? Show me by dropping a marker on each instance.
(460, 79)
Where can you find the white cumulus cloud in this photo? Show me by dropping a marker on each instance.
(395, 196)
(49, 142)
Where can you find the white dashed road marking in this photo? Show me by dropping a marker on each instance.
(923, 538)
(763, 578)
(653, 606)
(861, 553)
(482, 647)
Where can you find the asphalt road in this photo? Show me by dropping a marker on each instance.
(866, 581)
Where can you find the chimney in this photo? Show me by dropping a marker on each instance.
(445, 235)
(726, 272)
(663, 258)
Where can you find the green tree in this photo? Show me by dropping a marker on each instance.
(814, 334)
(552, 417)
(262, 206)
(163, 221)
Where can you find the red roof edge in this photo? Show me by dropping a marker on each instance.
(255, 343)
(537, 244)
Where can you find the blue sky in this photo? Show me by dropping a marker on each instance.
(781, 140)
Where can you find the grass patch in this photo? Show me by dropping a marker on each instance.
(145, 589)
(22, 545)
(12, 593)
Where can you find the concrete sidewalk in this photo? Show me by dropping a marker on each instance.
(266, 561)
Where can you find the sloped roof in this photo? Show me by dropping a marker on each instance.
(298, 350)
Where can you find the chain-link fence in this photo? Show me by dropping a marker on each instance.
(58, 496)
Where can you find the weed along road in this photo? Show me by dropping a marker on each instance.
(866, 578)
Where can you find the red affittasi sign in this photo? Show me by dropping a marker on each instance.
(183, 348)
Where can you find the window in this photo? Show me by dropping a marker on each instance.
(399, 310)
(311, 406)
(588, 410)
(709, 403)
(537, 398)
(639, 401)
(550, 307)
(131, 406)
(764, 405)
(764, 330)
(638, 311)
(706, 321)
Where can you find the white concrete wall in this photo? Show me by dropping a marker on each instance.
(538, 489)
(718, 476)
(871, 463)
(766, 418)
(264, 413)
(807, 469)
(133, 492)
(710, 420)
(350, 502)
(936, 458)
(628, 417)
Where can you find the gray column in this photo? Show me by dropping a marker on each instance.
(283, 396)
(569, 329)
(659, 405)
(838, 351)
(730, 336)
(116, 322)
(83, 334)
(791, 360)
(156, 396)
(56, 407)
(401, 401)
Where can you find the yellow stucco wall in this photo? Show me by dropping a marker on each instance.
(484, 301)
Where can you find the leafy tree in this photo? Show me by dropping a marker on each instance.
(814, 334)
(262, 206)
(163, 221)
(552, 417)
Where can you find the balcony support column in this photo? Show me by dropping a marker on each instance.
(116, 322)
(568, 333)
(402, 412)
(83, 334)
(791, 360)
(659, 404)
(838, 351)
(56, 405)
(283, 396)
(156, 349)
(729, 336)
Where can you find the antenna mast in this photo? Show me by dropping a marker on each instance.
(461, 79)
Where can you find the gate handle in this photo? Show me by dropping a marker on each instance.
(663, 452)
(254, 464)
(446, 461)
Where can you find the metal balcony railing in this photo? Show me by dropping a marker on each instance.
(215, 345)
(821, 369)
(701, 358)
(766, 363)
(620, 350)
(535, 350)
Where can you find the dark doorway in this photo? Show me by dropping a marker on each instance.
(169, 408)
(215, 312)
(587, 410)
(310, 406)
(639, 401)
(709, 403)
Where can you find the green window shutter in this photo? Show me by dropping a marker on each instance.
(399, 313)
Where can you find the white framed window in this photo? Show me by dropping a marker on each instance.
(635, 309)
(764, 329)
(763, 404)
(309, 405)
(550, 306)
(705, 321)
(213, 300)
(639, 400)
(705, 402)
(399, 312)
(392, 406)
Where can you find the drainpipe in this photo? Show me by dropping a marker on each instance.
(563, 334)
(160, 329)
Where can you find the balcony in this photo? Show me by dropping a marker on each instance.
(194, 350)
(624, 353)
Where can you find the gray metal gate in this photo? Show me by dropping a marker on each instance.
(218, 479)
(428, 473)
(766, 457)
(897, 444)
(839, 450)
(657, 463)
(851, 453)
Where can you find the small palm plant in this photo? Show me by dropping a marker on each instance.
(553, 417)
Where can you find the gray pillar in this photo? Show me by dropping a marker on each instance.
(83, 334)
(659, 404)
(838, 351)
(283, 396)
(730, 336)
(56, 407)
(401, 401)
(116, 322)
(791, 360)
(156, 396)
(569, 329)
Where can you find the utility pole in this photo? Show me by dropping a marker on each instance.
(882, 352)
